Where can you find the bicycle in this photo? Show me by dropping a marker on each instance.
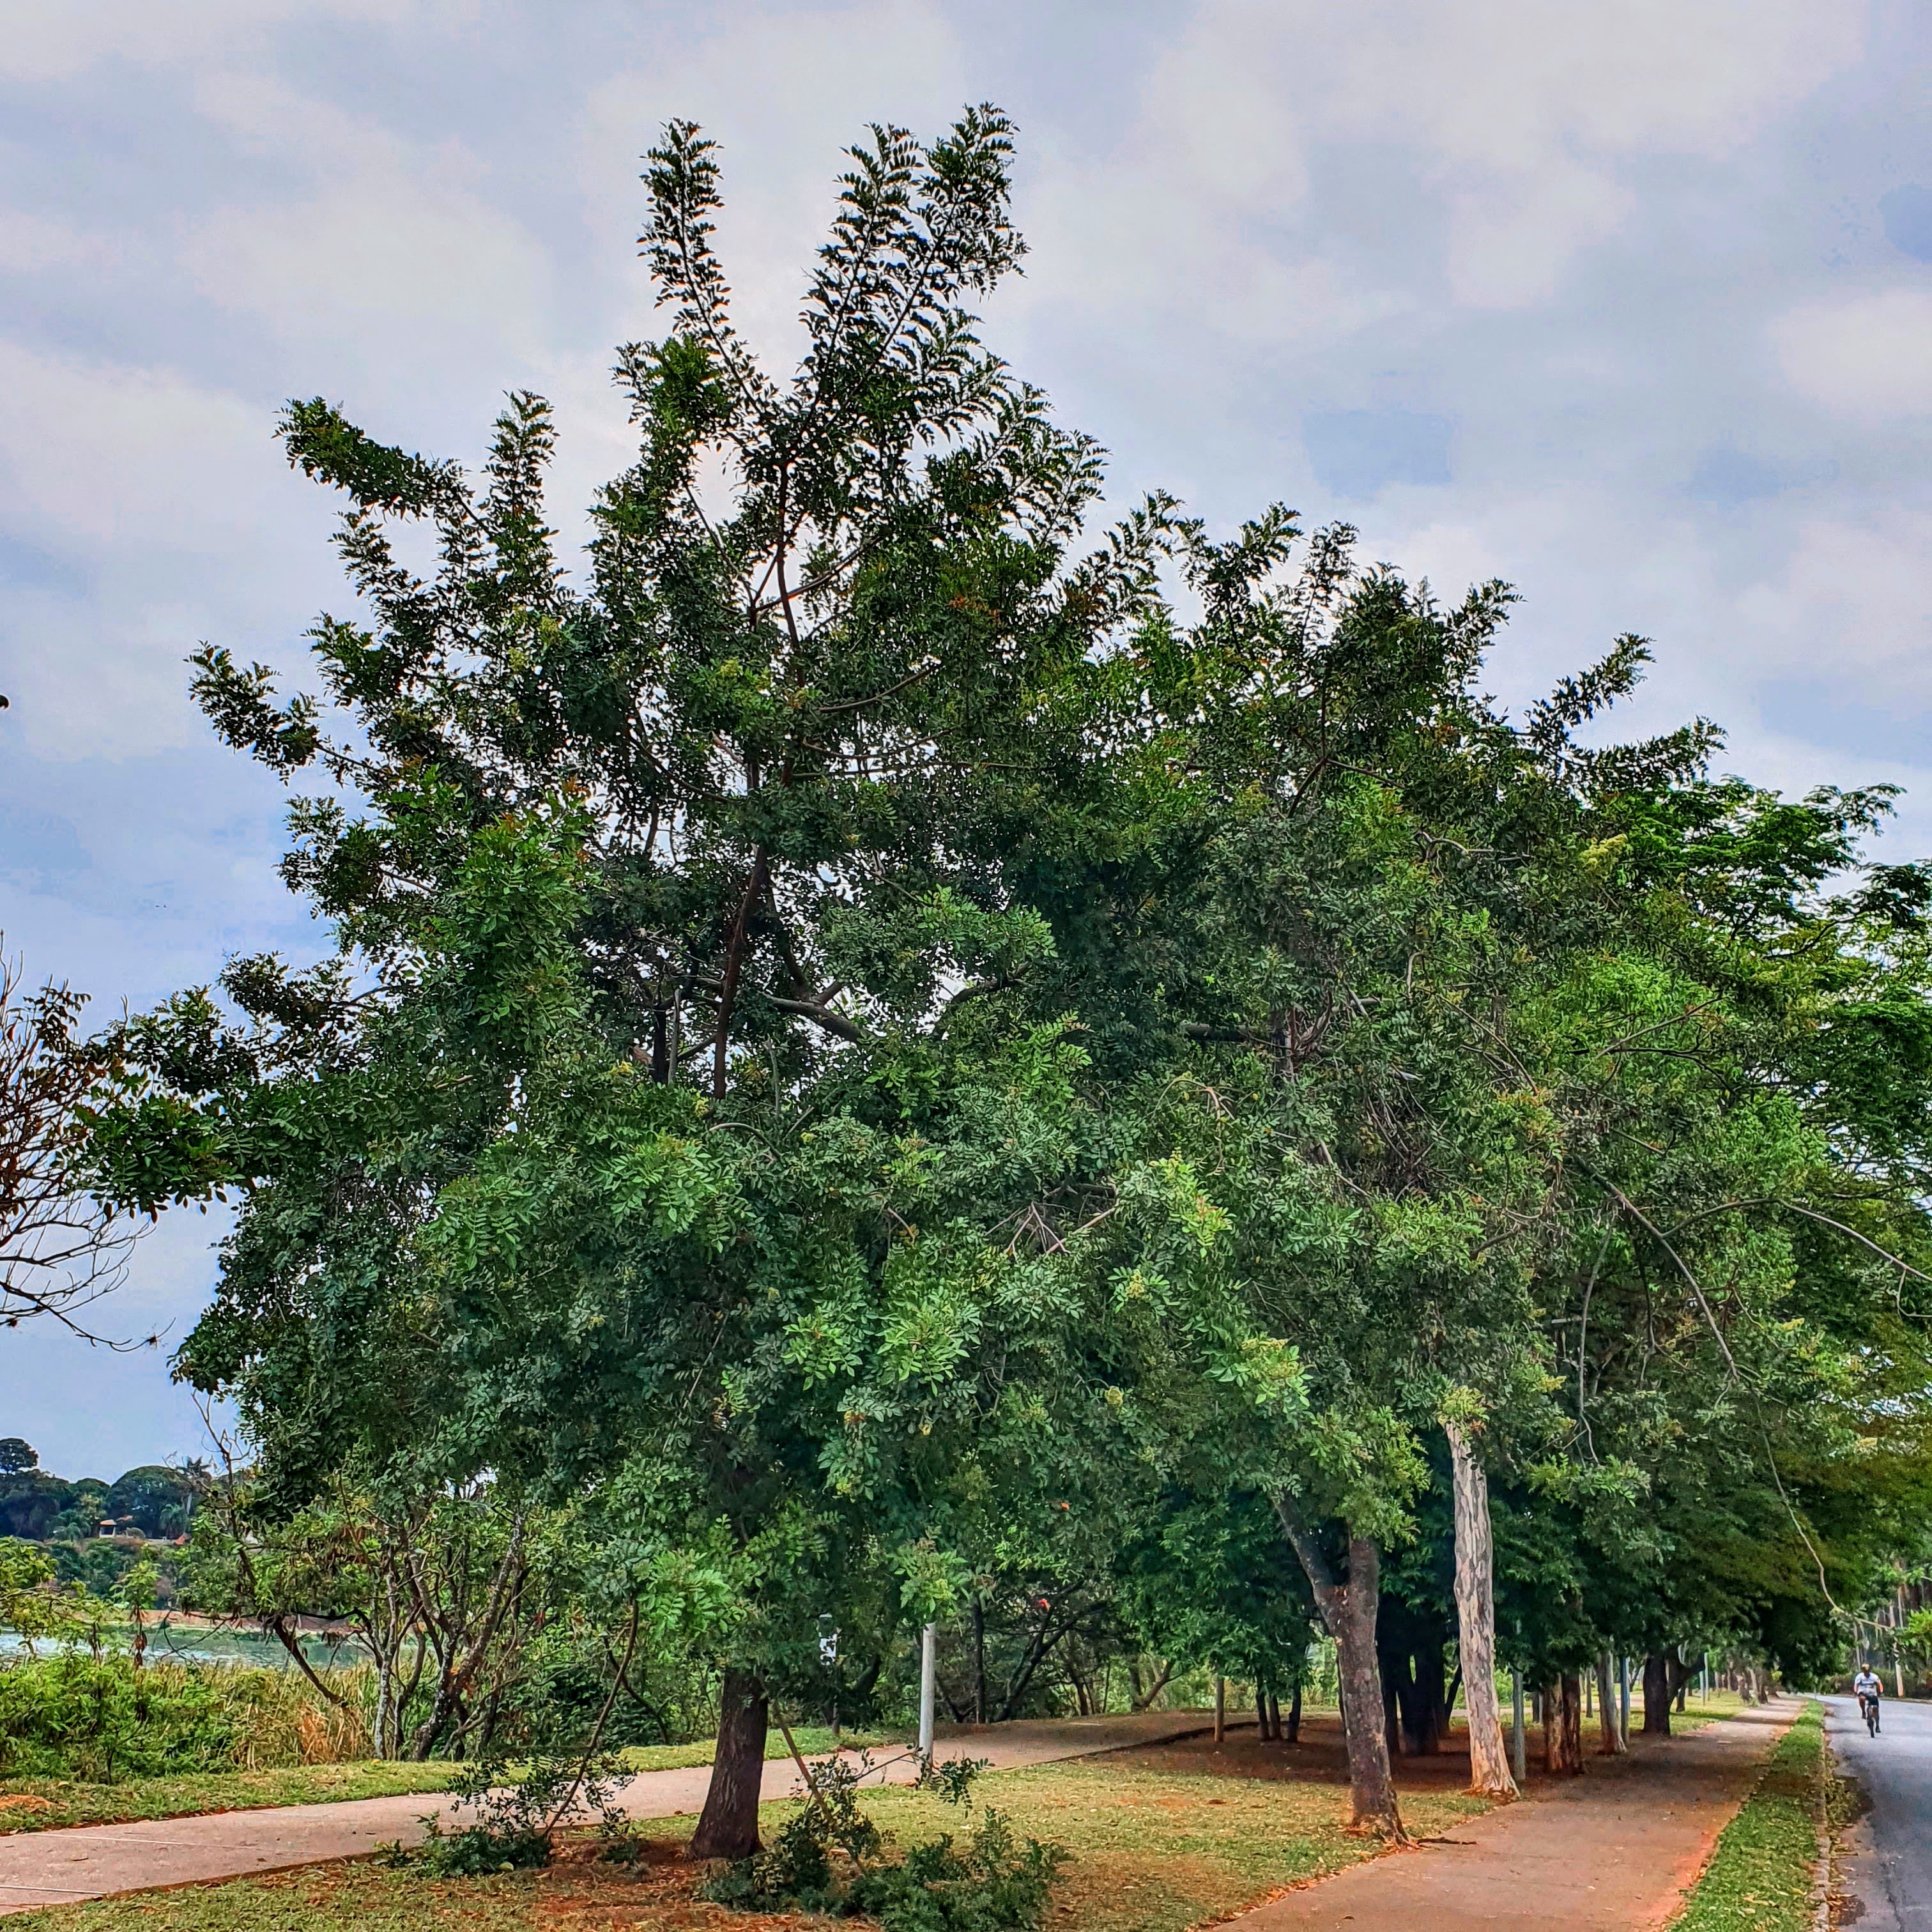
(1868, 1710)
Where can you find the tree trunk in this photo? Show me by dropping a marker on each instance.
(727, 1828)
(1657, 1696)
(1261, 1715)
(1476, 1620)
(1431, 1713)
(1144, 1699)
(1349, 1613)
(1295, 1714)
(1610, 1741)
(979, 1662)
(1679, 1677)
(1563, 1726)
(1274, 1717)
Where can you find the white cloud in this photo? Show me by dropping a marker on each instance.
(1866, 357)
(1519, 119)
(28, 244)
(1851, 606)
(144, 490)
(55, 43)
(57, 1387)
(393, 239)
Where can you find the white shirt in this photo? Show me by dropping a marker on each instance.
(1866, 1684)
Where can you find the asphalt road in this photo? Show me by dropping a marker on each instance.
(1889, 1868)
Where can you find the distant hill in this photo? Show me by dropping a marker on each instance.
(155, 1500)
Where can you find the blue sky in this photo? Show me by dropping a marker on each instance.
(1631, 305)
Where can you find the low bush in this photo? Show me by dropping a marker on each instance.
(517, 1812)
(74, 1715)
(827, 1859)
(102, 1718)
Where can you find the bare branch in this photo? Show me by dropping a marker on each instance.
(60, 1250)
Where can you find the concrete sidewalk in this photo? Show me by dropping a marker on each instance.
(1611, 1851)
(57, 1867)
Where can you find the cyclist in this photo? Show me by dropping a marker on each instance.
(1869, 1689)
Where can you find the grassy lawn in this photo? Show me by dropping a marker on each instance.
(1760, 1876)
(1697, 1710)
(37, 1804)
(1154, 1851)
(40, 1804)
(812, 1738)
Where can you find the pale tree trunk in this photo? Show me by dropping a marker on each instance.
(1563, 1726)
(1611, 1741)
(1348, 1614)
(1476, 1619)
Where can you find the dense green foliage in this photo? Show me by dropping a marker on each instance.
(877, 1068)
(99, 1715)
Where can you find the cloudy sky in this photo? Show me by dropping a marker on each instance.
(1630, 304)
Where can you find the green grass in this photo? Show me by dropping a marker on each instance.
(1154, 1850)
(812, 1738)
(63, 1800)
(1760, 1876)
(43, 1803)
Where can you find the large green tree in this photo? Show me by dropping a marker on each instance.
(654, 1121)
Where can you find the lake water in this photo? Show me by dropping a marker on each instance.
(198, 1645)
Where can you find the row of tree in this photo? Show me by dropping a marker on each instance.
(155, 1500)
(891, 1067)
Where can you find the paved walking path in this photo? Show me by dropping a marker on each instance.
(1612, 1851)
(56, 1868)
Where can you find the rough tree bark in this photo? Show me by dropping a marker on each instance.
(1563, 1726)
(1295, 1714)
(1610, 1738)
(1657, 1694)
(1144, 1696)
(1348, 1608)
(1476, 1619)
(727, 1828)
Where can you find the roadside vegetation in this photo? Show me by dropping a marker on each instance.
(43, 1803)
(1761, 1876)
(1151, 1850)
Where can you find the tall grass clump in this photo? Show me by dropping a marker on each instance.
(104, 1718)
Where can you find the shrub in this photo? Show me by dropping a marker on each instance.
(990, 1886)
(823, 1861)
(101, 1717)
(516, 1821)
(74, 1715)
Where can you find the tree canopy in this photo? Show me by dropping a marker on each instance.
(882, 1055)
